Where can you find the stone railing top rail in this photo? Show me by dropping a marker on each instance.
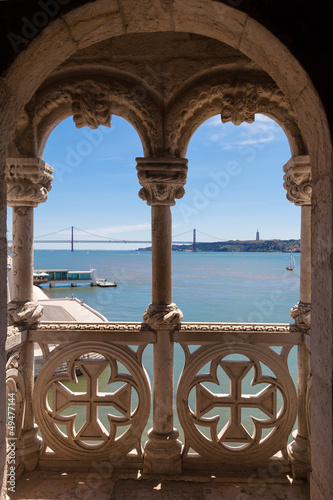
(184, 326)
(191, 333)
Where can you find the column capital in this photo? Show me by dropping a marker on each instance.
(162, 179)
(298, 180)
(28, 181)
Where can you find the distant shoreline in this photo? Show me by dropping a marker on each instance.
(267, 246)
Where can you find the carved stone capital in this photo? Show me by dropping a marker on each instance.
(301, 314)
(24, 314)
(297, 180)
(163, 180)
(28, 181)
(162, 317)
(240, 104)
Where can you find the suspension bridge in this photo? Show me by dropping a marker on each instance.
(72, 239)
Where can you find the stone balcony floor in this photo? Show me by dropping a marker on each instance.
(40, 485)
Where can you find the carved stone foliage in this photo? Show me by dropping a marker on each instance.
(237, 100)
(240, 104)
(126, 401)
(162, 317)
(24, 314)
(28, 181)
(91, 106)
(301, 314)
(222, 436)
(298, 180)
(163, 180)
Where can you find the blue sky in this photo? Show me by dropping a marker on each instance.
(234, 184)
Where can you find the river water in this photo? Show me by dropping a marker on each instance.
(207, 286)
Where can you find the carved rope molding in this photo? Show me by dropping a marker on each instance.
(28, 181)
(298, 180)
(163, 179)
(236, 100)
(163, 317)
(92, 102)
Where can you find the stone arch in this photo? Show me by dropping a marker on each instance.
(102, 19)
(91, 101)
(237, 99)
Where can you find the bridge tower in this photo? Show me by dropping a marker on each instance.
(72, 240)
(194, 240)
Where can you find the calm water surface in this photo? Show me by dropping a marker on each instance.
(207, 286)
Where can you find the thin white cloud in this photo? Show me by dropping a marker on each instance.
(250, 142)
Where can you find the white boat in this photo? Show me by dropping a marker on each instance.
(292, 263)
(105, 283)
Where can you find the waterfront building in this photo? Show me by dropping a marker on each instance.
(166, 67)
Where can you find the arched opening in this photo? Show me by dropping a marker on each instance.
(235, 186)
(285, 70)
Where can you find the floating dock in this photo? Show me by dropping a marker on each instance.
(62, 277)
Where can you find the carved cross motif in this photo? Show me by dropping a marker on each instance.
(93, 429)
(265, 401)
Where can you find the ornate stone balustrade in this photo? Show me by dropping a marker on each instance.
(229, 369)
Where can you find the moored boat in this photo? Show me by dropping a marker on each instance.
(105, 283)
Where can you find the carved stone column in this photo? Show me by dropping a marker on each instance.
(28, 183)
(163, 181)
(298, 184)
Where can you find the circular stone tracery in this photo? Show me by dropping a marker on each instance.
(92, 441)
(255, 448)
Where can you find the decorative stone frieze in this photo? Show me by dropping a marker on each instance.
(301, 314)
(24, 313)
(297, 180)
(28, 181)
(163, 180)
(162, 317)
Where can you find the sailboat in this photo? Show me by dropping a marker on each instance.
(292, 263)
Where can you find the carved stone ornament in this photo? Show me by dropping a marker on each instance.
(297, 180)
(226, 438)
(301, 314)
(126, 400)
(91, 107)
(162, 317)
(240, 104)
(24, 314)
(28, 181)
(163, 180)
